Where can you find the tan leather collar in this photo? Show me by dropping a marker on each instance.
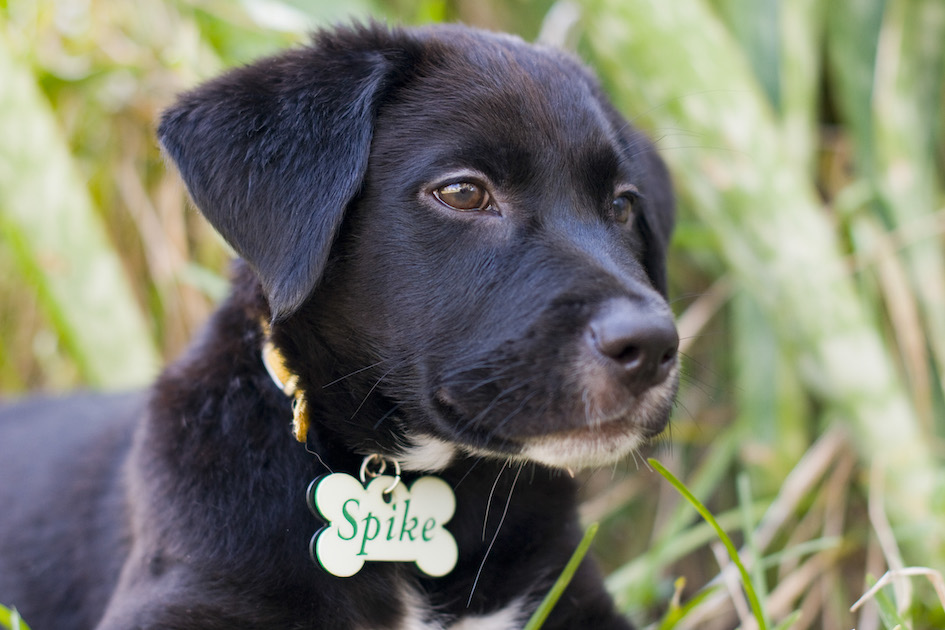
(288, 382)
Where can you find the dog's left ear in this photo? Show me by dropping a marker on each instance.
(272, 153)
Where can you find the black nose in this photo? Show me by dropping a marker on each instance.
(639, 339)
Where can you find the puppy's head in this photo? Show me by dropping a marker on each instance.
(457, 222)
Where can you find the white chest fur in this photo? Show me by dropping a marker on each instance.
(511, 617)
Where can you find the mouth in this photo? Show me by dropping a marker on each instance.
(591, 446)
(588, 447)
(594, 428)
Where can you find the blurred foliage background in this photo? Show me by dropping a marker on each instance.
(807, 142)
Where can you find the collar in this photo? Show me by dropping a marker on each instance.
(288, 382)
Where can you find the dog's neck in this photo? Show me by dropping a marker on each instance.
(289, 383)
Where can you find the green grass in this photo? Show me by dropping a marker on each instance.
(733, 554)
(893, 614)
(11, 619)
(554, 594)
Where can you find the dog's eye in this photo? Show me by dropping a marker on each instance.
(622, 209)
(622, 206)
(463, 196)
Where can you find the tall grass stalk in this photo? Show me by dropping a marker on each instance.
(907, 99)
(59, 242)
(724, 141)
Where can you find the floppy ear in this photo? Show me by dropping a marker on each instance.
(659, 211)
(272, 153)
(658, 216)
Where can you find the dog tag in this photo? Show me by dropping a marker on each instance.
(384, 521)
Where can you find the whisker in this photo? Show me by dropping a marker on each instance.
(478, 460)
(508, 501)
(371, 391)
(514, 413)
(496, 372)
(679, 405)
(706, 389)
(338, 380)
(689, 296)
(495, 401)
(386, 415)
(485, 519)
(691, 359)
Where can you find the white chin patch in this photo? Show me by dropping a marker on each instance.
(426, 454)
(569, 451)
(580, 450)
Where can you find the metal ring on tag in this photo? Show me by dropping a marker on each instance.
(382, 466)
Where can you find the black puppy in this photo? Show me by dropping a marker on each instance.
(454, 261)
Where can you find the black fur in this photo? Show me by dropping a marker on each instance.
(405, 320)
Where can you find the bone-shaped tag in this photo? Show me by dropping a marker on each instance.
(369, 524)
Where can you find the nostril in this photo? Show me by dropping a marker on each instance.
(628, 355)
(641, 341)
(670, 355)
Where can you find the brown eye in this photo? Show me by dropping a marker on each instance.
(463, 196)
(623, 208)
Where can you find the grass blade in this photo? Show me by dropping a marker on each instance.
(755, 24)
(853, 29)
(789, 621)
(59, 242)
(729, 546)
(802, 37)
(888, 611)
(907, 99)
(544, 609)
(748, 528)
(677, 612)
(10, 619)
